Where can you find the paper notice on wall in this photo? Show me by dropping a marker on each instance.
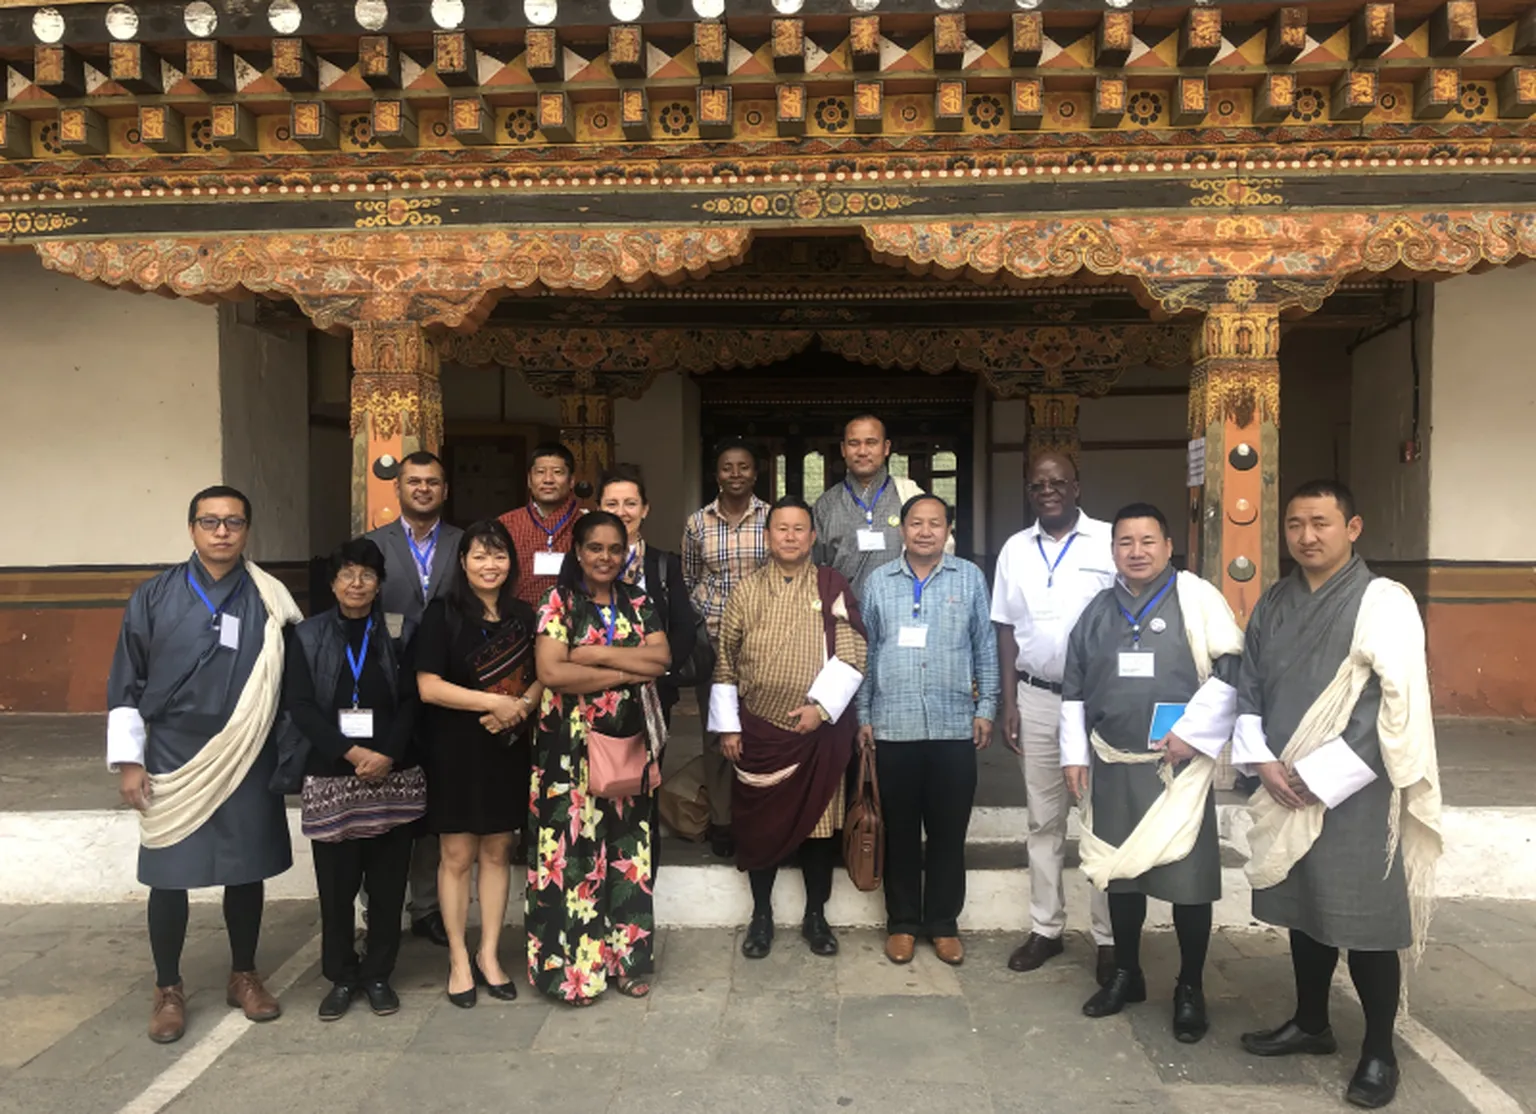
(1196, 463)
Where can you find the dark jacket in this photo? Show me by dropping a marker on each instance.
(315, 676)
(674, 609)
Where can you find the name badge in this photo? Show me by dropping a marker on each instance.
(1044, 610)
(871, 541)
(915, 638)
(356, 723)
(229, 632)
(1137, 663)
(394, 622)
(547, 562)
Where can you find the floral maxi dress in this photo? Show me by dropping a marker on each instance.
(589, 907)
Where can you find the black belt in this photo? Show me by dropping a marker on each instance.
(1037, 683)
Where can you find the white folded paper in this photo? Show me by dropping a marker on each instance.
(835, 686)
(1334, 772)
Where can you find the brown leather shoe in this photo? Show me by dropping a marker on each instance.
(899, 946)
(949, 950)
(1034, 951)
(168, 1018)
(1104, 970)
(247, 993)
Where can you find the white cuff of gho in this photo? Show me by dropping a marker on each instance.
(724, 709)
(1074, 734)
(1250, 748)
(835, 687)
(125, 737)
(1207, 721)
(1334, 772)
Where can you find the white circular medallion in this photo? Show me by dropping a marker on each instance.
(48, 25)
(200, 18)
(626, 11)
(949, 5)
(1118, 3)
(541, 13)
(448, 14)
(122, 22)
(1158, 625)
(865, 5)
(787, 7)
(709, 9)
(284, 16)
(371, 15)
(1028, 5)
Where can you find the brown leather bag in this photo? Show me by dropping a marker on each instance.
(864, 827)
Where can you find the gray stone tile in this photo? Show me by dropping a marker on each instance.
(779, 1034)
(744, 1093)
(1497, 1044)
(490, 1027)
(491, 1083)
(304, 1081)
(790, 967)
(863, 970)
(1453, 978)
(928, 1038)
(608, 1027)
(884, 1094)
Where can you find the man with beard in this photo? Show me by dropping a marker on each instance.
(541, 531)
(420, 565)
(1045, 576)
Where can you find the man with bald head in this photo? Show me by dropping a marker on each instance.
(1046, 575)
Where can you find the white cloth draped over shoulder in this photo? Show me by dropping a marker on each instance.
(184, 799)
(1388, 641)
(1169, 828)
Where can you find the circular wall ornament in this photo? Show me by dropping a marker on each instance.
(626, 11)
(1243, 513)
(709, 9)
(200, 18)
(540, 13)
(122, 22)
(386, 467)
(1241, 570)
(865, 5)
(949, 5)
(1242, 457)
(370, 14)
(787, 7)
(448, 14)
(284, 16)
(48, 25)
(1028, 5)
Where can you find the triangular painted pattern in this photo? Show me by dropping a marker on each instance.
(1498, 39)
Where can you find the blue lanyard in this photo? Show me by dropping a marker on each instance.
(628, 561)
(356, 663)
(868, 508)
(216, 612)
(919, 585)
(423, 556)
(1135, 620)
(1052, 566)
(548, 533)
(610, 616)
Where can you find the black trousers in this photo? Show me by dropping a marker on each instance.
(927, 787)
(380, 865)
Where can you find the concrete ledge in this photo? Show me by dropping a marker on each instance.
(89, 856)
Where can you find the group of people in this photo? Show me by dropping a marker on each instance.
(462, 669)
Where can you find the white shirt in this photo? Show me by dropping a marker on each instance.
(1043, 606)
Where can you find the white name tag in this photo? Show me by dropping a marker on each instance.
(546, 562)
(229, 632)
(394, 622)
(356, 723)
(1137, 663)
(1044, 610)
(871, 541)
(914, 637)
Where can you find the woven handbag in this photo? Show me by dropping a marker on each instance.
(864, 827)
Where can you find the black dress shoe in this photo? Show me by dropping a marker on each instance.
(1374, 1083)
(1288, 1040)
(1034, 951)
(502, 991)
(1124, 987)
(1105, 969)
(818, 933)
(382, 998)
(759, 941)
(465, 999)
(335, 1004)
(721, 843)
(1189, 1020)
(431, 927)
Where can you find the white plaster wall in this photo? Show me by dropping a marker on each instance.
(264, 379)
(1482, 452)
(652, 433)
(111, 402)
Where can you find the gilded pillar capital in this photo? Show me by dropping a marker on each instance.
(396, 409)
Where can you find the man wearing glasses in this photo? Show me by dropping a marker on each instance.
(192, 695)
(1045, 576)
(421, 560)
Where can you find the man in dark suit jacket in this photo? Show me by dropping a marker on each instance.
(421, 560)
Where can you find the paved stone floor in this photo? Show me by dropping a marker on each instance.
(790, 1033)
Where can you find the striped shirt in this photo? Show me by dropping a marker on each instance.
(719, 554)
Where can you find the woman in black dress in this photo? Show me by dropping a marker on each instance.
(474, 661)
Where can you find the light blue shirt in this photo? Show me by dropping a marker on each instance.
(935, 690)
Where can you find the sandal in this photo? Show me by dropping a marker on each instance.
(633, 987)
(581, 1003)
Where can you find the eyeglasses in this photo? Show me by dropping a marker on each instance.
(365, 577)
(1041, 487)
(234, 523)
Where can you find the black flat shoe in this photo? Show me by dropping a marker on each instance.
(382, 998)
(759, 941)
(721, 843)
(335, 1004)
(818, 933)
(431, 928)
(1189, 1020)
(465, 999)
(1289, 1040)
(1124, 987)
(1374, 1083)
(502, 991)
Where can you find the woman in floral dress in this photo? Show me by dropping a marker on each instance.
(590, 914)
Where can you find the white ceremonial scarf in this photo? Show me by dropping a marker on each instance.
(1389, 642)
(1167, 831)
(183, 800)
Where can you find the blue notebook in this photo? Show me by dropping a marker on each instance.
(1164, 716)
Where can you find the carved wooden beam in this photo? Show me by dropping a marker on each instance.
(453, 60)
(1287, 36)
(1453, 28)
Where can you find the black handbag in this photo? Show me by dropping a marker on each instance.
(700, 665)
(292, 756)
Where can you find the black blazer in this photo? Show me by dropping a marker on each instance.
(674, 608)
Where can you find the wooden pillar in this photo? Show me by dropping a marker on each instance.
(1053, 425)
(586, 428)
(397, 409)
(1234, 415)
